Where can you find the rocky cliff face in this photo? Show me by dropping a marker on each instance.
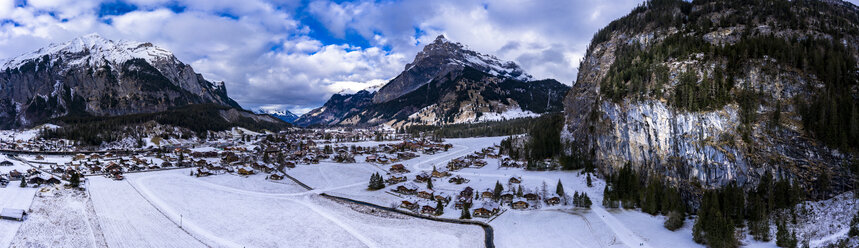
(91, 75)
(706, 93)
(440, 58)
(446, 84)
(336, 109)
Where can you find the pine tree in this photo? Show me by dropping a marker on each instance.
(376, 181)
(586, 201)
(698, 231)
(854, 230)
(519, 192)
(674, 221)
(782, 236)
(465, 214)
(590, 184)
(560, 189)
(439, 208)
(429, 183)
(497, 192)
(23, 183)
(75, 180)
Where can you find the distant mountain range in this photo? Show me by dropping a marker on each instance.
(445, 84)
(281, 114)
(91, 76)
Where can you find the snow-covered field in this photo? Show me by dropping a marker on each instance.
(72, 222)
(223, 215)
(129, 220)
(13, 196)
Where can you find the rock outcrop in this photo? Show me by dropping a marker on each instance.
(706, 93)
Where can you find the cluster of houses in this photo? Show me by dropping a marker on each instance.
(482, 203)
(39, 145)
(114, 166)
(32, 177)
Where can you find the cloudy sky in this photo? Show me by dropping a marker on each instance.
(295, 54)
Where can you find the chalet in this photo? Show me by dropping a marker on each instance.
(507, 197)
(406, 155)
(13, 214)
(426, 194)
(344, 157)
(468, 192)
(5, 163)
(39, 157)
(515, 180)
(457, 180)
(289, 164)
(442, 197)
(408, 189)
(113, 168)
(428, 209)
(276, 176)
(479, 163)
(423, 177)
(382, 160)
(487, 193)
(52, 180)
(399, 168)
(79, 156)
(520, 204)
(553, 199)
(532, 196)
(462, 201)
(409, 205)
(486, 209)
(244, 170)
(440, 173)
(37, 179)
(456, 164)
(202, 172)
(395, 179)
(371, 159)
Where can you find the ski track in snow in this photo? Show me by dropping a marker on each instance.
(192, 227)
(337, 221)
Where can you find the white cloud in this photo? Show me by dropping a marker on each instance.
(268, 57)
(547, 38)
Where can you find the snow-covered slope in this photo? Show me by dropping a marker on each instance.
(95, 51)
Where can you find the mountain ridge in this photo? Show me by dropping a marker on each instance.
(445, 84)
(92, 75)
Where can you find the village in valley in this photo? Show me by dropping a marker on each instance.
(350, 180)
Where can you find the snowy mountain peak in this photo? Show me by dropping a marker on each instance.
(441, 57)
(93, 50)
(279, 113)
(455, 52)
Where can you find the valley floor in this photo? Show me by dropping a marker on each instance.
(172, 209)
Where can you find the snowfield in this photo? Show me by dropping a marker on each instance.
(231, 217)
(13, 196)
(129, 220)
(72, 221)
